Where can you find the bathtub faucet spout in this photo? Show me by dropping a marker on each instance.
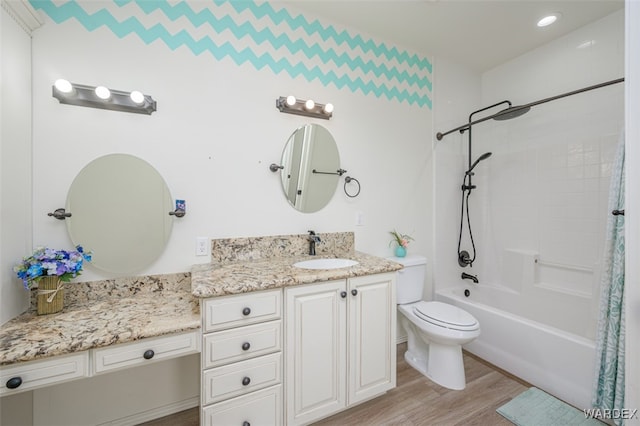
(473, 278)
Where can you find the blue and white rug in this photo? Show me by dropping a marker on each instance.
(534, 407)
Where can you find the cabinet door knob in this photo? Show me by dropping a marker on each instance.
(343, 294)
(148, 354)
(354, 291)
(246, 311)
(246, 346)
(246, 423)
(246, 381)
(14, 382)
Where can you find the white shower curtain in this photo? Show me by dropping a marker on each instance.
(608, 389)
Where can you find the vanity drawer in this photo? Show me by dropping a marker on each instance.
(258, 408)
(144, 351)
(241, 378)
(238, 310)
(34, 374)
(237, 344)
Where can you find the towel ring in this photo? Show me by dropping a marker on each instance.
(350, 179)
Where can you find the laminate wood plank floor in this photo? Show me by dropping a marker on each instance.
(418, 401)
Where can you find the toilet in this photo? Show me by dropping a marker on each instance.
(436, 331)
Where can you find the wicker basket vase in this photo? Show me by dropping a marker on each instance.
(50, 295)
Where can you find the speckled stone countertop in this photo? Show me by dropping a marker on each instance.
(103, 313)
(264, 263)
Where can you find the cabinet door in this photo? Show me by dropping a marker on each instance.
(372, 336)
(315, 359)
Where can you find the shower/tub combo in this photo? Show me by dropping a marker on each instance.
(534, 325)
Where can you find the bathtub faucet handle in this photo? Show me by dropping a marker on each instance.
(473, 278)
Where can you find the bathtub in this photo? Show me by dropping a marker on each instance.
(556, 361)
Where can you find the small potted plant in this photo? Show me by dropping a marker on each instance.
(48, 269)
(401, 241)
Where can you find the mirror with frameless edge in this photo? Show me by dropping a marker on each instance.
(120, 211)
(310, 147)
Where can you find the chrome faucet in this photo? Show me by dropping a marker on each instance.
(473, 278)
(313, 239)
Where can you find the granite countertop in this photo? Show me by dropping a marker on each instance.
(103, 313)
(101, 317)
(211, 280)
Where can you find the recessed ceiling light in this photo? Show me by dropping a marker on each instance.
(548, 20)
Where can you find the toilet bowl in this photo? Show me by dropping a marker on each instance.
(436, 331)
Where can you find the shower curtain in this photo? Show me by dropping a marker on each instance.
(608, 389)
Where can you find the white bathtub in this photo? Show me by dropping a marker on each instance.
(553, 360)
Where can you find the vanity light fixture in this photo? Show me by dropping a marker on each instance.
(309, 108)
(103, 98)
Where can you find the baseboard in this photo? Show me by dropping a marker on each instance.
(155, 413)
(401, 339)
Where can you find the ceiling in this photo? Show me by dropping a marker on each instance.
(479, 34)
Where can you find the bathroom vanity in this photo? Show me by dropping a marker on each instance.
(279, 343)
(284, 344)
(105, 326)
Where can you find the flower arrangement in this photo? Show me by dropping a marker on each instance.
(49, 262)
(402, 240)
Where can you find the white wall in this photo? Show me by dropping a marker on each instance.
(15, 157)
(213, 137)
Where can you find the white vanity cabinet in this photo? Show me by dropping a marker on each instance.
(242, 359)
(339, 345)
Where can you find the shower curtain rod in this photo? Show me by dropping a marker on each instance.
(511, 110)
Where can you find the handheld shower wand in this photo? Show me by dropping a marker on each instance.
(466, 183)
(473, 166)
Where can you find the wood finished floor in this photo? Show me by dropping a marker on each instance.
(418, 401)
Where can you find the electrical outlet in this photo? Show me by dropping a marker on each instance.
(359, 218)
(202, 246)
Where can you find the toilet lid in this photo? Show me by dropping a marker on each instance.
(445, 315)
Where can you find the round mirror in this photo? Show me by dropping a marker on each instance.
(120, 211)
(310, 168)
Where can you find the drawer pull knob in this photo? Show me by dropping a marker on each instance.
(246, 311)
(246, 381)
(148, 354)
(343, 294)
(246, 423)
(246, 346)
(354, 291)
(14, 382)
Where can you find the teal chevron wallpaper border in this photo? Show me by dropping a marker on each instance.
(263, 36)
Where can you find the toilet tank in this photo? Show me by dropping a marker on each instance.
(410, 279)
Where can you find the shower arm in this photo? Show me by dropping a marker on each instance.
(470, 123)
(467, 126)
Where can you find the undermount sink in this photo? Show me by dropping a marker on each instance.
(325, 263)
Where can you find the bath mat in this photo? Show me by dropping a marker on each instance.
(534, 407)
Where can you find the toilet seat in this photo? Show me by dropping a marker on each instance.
(445, 315)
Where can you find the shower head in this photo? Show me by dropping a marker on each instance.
(482, 157)
(511, 112)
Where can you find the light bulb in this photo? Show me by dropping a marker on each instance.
(63, 86)
(137, 97)
(328, 108)
(103, 93)
(548, 20)
(309, 104)
(291, 100)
